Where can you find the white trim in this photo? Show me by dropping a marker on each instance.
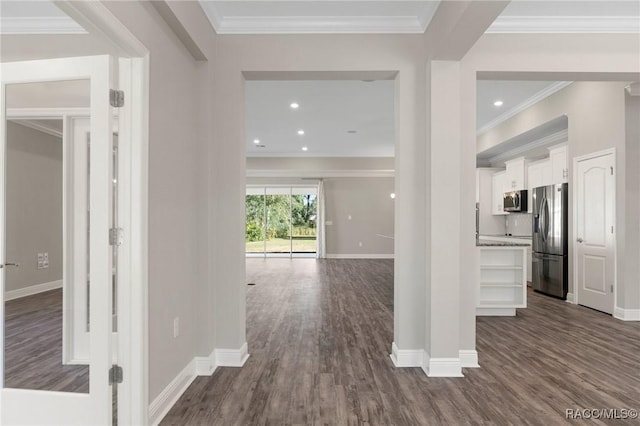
(544, 93)
(319, 174)
(565, 25)
(406, 357)
(231, 357)
(468, 358)
(570, 298)
(171, 394)
(626, 314)
(317, 24)
(441, 367)
(31, 290)
(40, 25)
(205, 365)
(549, 140)
(40, 127)
(495, 312)
(360, 256)
(634, 89)
(43, 113)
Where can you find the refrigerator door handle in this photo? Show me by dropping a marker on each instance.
(543, 220)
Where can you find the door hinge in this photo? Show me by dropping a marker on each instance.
(116, 235)
(115, 374)
(611, 170)
(612, 229)
(116, 98)
(612, 288)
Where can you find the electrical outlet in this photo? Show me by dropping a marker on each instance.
(45, 260)
(360, 244)
(40, 260)
(349, 217)
(176, 327)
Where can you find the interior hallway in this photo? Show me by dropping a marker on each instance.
(319, 335)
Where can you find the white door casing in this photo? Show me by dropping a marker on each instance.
(595, 226)
(19, 406)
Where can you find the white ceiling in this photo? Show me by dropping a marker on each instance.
(35, 17)
(380, 16)
(327, 111)
(515, 95)
(319, 16)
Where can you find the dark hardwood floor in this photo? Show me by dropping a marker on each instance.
(319, 335)
(33, 346)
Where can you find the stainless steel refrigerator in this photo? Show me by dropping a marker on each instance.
(550, 240)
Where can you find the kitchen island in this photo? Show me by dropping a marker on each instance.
(502, 277)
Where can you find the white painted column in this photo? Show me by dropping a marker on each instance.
(410, 224)
(442, 357)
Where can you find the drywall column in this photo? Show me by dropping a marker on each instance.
(469, 255)
(628, 303)
(443, 297)
(227, 218)
(410, 225)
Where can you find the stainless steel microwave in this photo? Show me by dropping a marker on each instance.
(515, 201)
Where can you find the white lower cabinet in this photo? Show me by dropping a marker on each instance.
(503, 280)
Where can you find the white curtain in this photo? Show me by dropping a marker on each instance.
(322, 247)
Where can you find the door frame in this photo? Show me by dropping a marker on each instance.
(574, 226)
(95, 17)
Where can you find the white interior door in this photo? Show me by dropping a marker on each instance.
(56, 400)
(595, 201)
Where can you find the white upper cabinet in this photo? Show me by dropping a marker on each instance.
(538, 174)
(515, 177)
(498, 186)
(559, 168)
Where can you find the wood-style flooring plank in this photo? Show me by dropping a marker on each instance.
(320, 332)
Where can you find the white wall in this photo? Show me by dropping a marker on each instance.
(360, 211)
(33, 206)
(629, 296)
(177, 196)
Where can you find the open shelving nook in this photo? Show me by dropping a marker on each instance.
(503, 281)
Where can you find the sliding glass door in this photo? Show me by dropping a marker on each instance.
(281, 221)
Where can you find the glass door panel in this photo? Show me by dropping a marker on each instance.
(255, 226)
(304, 206)
(278, 219)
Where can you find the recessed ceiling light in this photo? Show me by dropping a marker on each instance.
(498, 103)
(352, 131)
(392, 195)
(294, 105)
(304, 148)
(256, 141)
(301, 132)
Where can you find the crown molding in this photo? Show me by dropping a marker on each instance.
(547, 141)
(634, 89)
(318, 24)
(318, 174)
(544, 93)
(565, 25)
(39, 126)
(46, 25)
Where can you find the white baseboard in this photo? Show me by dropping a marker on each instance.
(205, 365)
(626, 314)
(570, 298)
(232, 357)
(31, 290)
(360, 256)
(441, 367)
(170, 395)
(469, 358)
(495, 312)
(406, 357)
